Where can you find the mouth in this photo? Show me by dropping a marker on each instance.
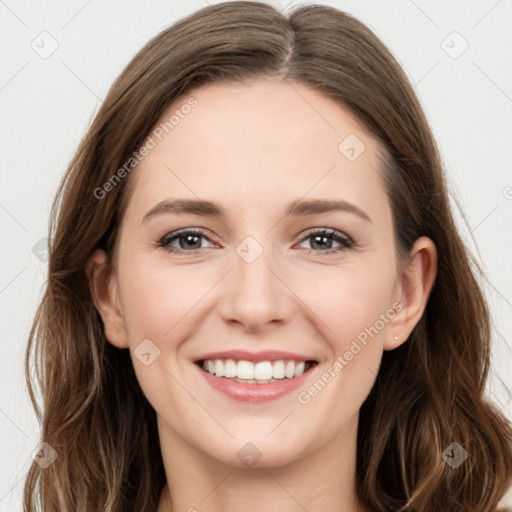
(261, 382)
(247, 372)
(263, 372)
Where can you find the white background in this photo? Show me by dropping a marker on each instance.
(46, 105)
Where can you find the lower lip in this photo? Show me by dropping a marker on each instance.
(255, 392)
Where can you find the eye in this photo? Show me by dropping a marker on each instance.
(189, 241)
(186, 239)
(322, 241)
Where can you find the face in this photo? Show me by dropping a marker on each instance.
(319, 284)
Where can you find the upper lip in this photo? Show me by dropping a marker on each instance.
(243, 355)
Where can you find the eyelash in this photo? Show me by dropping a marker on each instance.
(345, 241)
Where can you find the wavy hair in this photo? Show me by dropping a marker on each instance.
(429, 392)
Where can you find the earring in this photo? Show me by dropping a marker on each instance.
(396, 337)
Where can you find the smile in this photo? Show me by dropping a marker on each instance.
(261, 372)
(255, 382)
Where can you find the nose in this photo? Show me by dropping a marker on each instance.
(255, 294)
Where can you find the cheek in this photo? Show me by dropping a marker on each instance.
(349, 299)
(354, 306)
(159, 302)
(157, 297)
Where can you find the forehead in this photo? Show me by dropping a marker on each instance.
(253, 144)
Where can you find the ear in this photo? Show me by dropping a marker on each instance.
(416, 282)
(104, 291)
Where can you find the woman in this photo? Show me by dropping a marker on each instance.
(262, 373)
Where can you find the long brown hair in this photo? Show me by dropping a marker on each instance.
(429, 392)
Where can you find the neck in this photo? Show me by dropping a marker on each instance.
(320, 480)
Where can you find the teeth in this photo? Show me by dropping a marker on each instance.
(230, 368)
(261, 372)
(299, 368)
(289, 370)
(278, 369)
(219, 368)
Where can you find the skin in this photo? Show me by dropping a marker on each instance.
(254, 149)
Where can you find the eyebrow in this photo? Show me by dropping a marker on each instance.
(295, 209)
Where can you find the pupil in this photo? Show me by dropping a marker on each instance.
(190, 238)
(320, 237)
